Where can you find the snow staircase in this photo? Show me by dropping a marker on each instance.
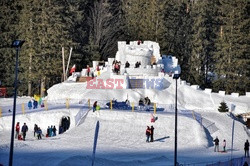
(136, 83)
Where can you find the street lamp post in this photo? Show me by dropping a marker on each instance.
(17, 44)
(176, 77)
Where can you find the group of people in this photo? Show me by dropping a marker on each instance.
(137, 64)
(37, 132)
(144, 103)
(216, 146)
(51, 131)
(150, 134)
(24, 129)
(35, 104)
(65, 124)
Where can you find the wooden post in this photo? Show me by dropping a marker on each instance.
(110, 104)
(0, 112)
(89, 103)
(23, 109)
(64, 74)
(133, 106)
(46, 105)
(67, 68)
(154, 108)
(67, 103)
(193, 115)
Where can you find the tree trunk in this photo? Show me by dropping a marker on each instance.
(29, 82)
(42, 86)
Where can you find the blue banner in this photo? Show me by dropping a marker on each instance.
(95, 142)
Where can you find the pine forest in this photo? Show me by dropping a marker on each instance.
(210, 38)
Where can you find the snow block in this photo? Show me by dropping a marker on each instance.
(222, 93)
(248, 94)
(207, 90)
(183, 82)
(160, 74)
(195, 86)
(235, 94)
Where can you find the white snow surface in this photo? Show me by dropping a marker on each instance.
(122, 139)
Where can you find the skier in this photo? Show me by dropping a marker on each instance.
(30, 104)
(148, 133)
(224, 145)
(17, 130)
(24, 130)
(216, 143)
(152, 134)
(246, 148)
(94, 106)
(47, 135)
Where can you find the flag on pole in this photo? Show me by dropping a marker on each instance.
(73, 69)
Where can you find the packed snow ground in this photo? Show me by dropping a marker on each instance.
(121, 139)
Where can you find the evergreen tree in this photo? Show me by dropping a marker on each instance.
(203, 37)
(232, 56)
(223, 107)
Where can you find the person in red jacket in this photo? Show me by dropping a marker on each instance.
(148, 133)
(88, 70)
(17, 130)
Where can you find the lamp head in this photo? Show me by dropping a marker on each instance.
(176, 76)
(17, 43)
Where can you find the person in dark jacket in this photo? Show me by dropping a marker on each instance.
(39, 133)
(152, 134)
(148, 133)
(246, 148)
(24, 130)
(54, 130)
(127, 65)
(35, 129)
(94, 106)
(47, 135)
(216, 144)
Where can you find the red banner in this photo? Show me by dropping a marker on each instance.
(3, 91)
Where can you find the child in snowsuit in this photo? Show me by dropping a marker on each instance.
(30, 104)
(39, 133)
(224, 145)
